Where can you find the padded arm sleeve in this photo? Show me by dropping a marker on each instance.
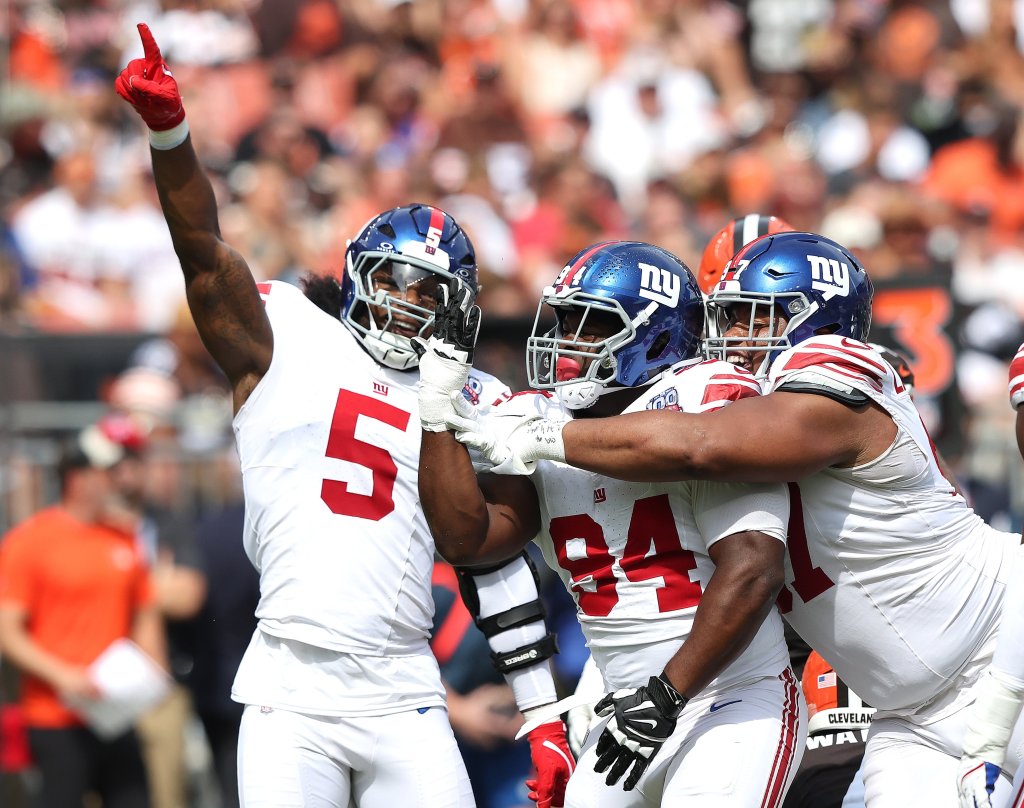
(505, 603)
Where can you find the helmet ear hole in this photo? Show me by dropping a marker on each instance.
(658, 346)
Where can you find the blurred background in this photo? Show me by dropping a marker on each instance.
(542, 126)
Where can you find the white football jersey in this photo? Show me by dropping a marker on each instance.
(329, 447)
(634, 556)
(891, 576)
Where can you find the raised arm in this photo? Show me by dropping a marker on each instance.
(221, 291)
(474, 522)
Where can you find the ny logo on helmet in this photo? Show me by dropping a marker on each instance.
(829, 276)
(659, 285)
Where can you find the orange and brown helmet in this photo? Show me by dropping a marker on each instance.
(729, 240)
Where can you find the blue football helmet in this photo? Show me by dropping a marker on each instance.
(804, 283)
(653, 316)
(392, 271)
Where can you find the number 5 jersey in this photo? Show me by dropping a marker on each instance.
(329, 448)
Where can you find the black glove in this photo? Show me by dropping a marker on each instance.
(456, 321)
(644, 718)
(446, 357)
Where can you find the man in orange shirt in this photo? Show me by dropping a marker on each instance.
(69, 587)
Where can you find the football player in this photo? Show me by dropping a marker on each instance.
(730, 240)
(891, 576)
(996, 711)
(344, 703)
(675, 583)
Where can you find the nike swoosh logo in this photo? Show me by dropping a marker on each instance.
(716, 707)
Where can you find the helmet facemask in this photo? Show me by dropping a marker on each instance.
(580, 369)
(382, 313)
(772, 319)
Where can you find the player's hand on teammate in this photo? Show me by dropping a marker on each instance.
(446, 358)
(554, 763)
(512, 444)
(1017, 379)
(149, 86)
(642, 719)
(976, 780)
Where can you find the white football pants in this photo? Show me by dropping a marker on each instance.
(402, 760)
(738, 749)
(910, 765)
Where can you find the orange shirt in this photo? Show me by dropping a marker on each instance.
(80, 585)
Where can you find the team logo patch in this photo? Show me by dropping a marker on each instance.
(472, 391)
(380, 389)
(599, 496)
(665, 400)
(829, 276)
(659, 285)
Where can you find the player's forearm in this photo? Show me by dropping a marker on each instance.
(643, 447)
(730, 614)
(455, 507)
(189, 207)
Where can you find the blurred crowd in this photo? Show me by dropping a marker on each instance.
(892, 126)
(542, 126)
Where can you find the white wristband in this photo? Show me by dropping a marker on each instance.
(992, 719)
(169, 138)
(545, 441)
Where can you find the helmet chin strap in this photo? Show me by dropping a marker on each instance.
(582, 394)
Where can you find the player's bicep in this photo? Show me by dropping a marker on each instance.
(232, 320)
(513, 511)
(753, 559)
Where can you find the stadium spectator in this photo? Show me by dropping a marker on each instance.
(69, 587)
(148, 488)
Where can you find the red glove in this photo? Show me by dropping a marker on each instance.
(147, 84)
(554, 763)
(1017, 379)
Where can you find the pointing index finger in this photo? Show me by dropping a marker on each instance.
(150, 48)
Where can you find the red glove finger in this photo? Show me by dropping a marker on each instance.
(154, 59)
(554, 763)
(150, 88)
(1017, 379)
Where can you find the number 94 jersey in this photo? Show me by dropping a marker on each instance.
(635, 555)
(329, 447)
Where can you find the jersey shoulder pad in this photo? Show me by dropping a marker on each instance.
(700, 386)
(483, 388)
(838, 367)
